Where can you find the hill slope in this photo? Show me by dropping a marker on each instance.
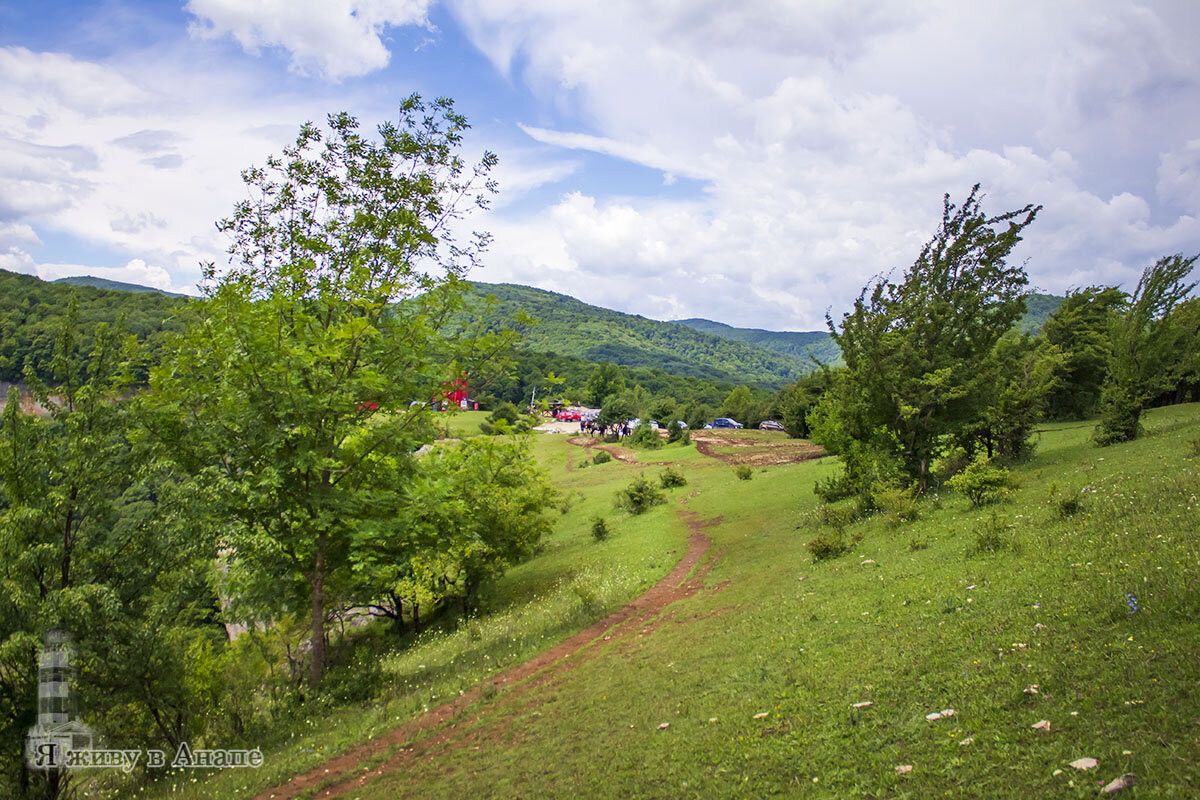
(800, 344)
(113, 286)
(571, 327)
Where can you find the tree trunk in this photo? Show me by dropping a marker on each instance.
(416, 612)
(317, 667)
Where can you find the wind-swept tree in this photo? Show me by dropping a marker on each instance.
(306, 371)
(1150, 348)
(912, 348)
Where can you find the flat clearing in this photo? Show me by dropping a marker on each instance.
(755, 448)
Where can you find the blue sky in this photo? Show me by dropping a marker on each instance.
(754, 163)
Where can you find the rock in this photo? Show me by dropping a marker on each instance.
(761, 714)
(946, 712)
(1044, 725)
(664, 726)
(1117, 784)
(868, 561)
(1031, 689)
(967, 741)
(1085, 763)
(863, 704)
(904, 769)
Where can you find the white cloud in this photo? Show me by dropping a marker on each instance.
(826, 135)
(334, 39)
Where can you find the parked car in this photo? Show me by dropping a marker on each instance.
(726, 422)
(771, 425)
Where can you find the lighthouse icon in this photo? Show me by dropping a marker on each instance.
(56, 733)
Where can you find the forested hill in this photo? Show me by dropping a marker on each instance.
(820, 345)
(800, 344)
(118, 286)
(32, 310)
(571, 327)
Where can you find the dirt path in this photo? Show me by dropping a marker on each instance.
(446, 731)
(619, 453)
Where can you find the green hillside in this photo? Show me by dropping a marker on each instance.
(801, 344)
(570, 327)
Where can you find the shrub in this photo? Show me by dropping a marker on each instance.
(898, 504)
(506, 418)
(670, 478)
(1194, 448)
(743, 472)
(640, 496)
(645, 437)
(583, 464)
(600, 530)
(675, 432)
(838, 517)
(981, 482)
(1068, 507)
(918, 543)
(601, 457)
(992, 536)
(833, 488)
(829, 544)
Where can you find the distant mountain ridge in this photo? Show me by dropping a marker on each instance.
(800, 344)
(116, 286)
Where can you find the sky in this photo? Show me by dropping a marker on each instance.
(755, 163)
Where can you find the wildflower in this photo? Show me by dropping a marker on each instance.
(1133, 607)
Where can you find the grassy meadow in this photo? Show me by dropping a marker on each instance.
(1073, 600)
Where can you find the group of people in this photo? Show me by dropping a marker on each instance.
(593, 428)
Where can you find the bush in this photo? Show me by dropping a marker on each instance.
(1068, 507)
(992, 536)
(918, 543)
(675, 432)
(899, 505)
(645, 437)
(505, 419)
(833, 488)
(829, 544)
(601, 457)
(838, 517)
(640, 496)
(670, 478)
(600, 530)
(1194, 448)
(743, 472)
(981, 482)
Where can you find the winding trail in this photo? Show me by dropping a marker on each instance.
(442, 728)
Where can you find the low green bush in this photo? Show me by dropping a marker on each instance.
(992, 536)
(600, 530)
(828, 544)
(640, 496)
(899, 505)
(743, 472)
(644, 437)
(601, 457)
(671, 477)
(833, 488)
(981, 482)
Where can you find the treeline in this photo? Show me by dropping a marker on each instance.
(938, 378)
(269, 473)
(32, 312)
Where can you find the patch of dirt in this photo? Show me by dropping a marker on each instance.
(619, 453)
(542, 669)
(756, 451)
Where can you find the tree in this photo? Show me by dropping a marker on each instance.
(605, 381)
(912, 348)
(1079, 328)
(307, 368)
(738, 405)
(1149, 348)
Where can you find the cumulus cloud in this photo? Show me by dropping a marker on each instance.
(334, 39)
(826, 134)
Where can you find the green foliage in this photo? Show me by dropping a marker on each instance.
(292, 366)
(992, 535)
(743, 472)
(604, 382)
(898, 504)
(1150, 348)
(602, 457)
(644, 437)
(1079, 328)
(640, 496)
(675, 432)
(505, 419)
(828, 544)
(913, 349)
(670, 477)
(833, 488)
(799, 399)
(600, 530)
(567, 326)
(981, 482)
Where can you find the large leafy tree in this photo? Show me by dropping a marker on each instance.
(1150, 349)
(305, 371)
(1079, 328)
(912, 348)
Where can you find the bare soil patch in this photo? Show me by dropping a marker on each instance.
(755, 451)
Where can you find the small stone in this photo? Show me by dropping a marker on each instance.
(1074, 713)
(664, 726)
(1044, 725)
(712, 719)
(1039, 626)
(967, 741)
(868, 561)
(863, 704)
(904, 769)
(1117, 784)
(934, 716)
(969, 588)
(1031, 689)
(1058, 772)
(761, 714)
(1084, 763)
